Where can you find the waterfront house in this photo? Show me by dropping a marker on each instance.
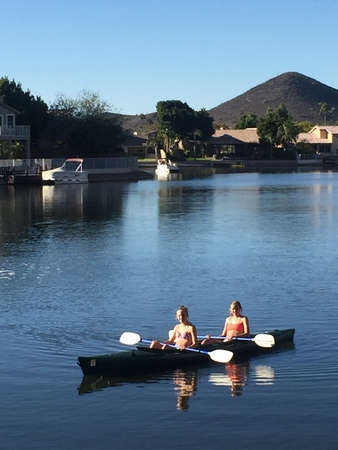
(10, 131)
(241, 143)
(321, 139)
(134, 145)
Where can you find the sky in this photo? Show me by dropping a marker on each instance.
(135, 53)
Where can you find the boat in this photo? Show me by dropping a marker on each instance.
(166, 166)
(71, 171)
(143, 359)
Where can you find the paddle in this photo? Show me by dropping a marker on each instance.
(221, 356)
(262, 340)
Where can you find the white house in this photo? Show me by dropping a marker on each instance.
(9, 131)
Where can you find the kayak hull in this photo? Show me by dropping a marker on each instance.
(144, 359)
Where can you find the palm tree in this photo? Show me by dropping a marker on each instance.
(325, 111)
(287, 133)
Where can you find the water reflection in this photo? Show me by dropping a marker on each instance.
(185, 386)
(92, 383)
(169, 176)
(31, 214)
(236, 376)
(84, 202)
(185, 383)
(18, 208)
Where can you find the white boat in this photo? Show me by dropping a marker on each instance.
(70, 172)
(166, 166)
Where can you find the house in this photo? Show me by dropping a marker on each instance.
(320, 139)
(10, 131)
(141, 146)
(242, 143)
(134, 145)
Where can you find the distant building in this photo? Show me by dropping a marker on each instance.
(321, 139)
(135, 145)
(239, 143)
(9, 131)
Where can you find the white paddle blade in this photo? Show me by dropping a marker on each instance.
(219, 379)
(264, 340)
(221, 356)
(129, 338)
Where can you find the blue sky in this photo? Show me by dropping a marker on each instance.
(135, 53)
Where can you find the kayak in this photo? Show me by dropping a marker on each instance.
(144, 359)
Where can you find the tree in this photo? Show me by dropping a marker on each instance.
(287, 133)
(325, 111)
(33, 110)
(277, 128)
(177, 121)
(84, 125)
(305, 126)
(247, 120)
(14, 150)
(267, 129)
(204, 124)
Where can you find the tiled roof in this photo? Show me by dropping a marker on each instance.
(132, 140)
(333, 129)
(232, 137)
(311, 138)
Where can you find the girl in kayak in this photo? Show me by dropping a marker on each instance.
(235, 325)
(183, 335)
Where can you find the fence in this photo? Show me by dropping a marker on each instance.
(89, 164)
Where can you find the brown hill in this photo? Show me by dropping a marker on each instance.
(142, 123)
(300, 94)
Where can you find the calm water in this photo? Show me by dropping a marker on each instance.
(81, 264)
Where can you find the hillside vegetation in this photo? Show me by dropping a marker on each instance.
(300, 94)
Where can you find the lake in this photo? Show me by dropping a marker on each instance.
(82, 264)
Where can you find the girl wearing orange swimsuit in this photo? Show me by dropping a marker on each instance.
(235, 325)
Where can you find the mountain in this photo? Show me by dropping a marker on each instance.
(142, 123)
(300, 94)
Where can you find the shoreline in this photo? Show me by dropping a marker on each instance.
(238, 164)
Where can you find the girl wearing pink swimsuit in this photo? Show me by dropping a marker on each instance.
(184, 334)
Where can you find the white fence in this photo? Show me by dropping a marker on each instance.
(306, 158)
(122, 163)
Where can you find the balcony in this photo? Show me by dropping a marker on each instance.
(18, 132)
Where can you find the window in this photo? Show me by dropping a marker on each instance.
(1, 123)
(10, 121)
(323, 134)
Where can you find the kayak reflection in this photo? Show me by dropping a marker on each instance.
(185, 383)
(92, 383)
(236, 376)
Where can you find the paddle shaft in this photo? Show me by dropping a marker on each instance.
(190, 349)
(237, 338)
(262, 340)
